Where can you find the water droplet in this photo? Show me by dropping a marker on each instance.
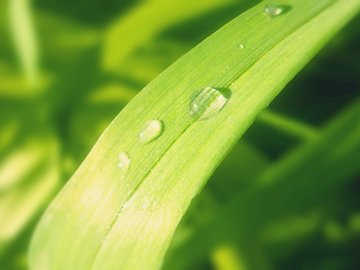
(151, 131)
(125, 205)
(124, 161)
(208, 102)
(241, 46)
(146, 205)
(276, 10)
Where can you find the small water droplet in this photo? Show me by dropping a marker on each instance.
(124, 162)
(208, 102)
(145, 206)
(241, 46)
(151, 131)
(125, 205)
(276, 10)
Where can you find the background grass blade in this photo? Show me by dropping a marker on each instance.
(103, 212)
(38, 177)
(24, 37)
(289, 126)
(129, 33)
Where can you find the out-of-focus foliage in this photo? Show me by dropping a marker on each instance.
(67, 68)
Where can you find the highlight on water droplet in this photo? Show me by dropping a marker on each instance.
(152, 130)
(208, 102)
(241, 46)
(276, 10)
(124, 162)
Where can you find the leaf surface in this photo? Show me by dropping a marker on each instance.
(107, 219)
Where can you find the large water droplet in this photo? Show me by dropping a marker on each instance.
(208, 102)
(276, 10)
(151, 131)
(124, 162)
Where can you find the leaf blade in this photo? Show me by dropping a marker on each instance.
(162, 180)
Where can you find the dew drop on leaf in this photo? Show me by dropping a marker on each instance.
(276, 10)
(124, 162)
(208, 102)
(241, 46)
(152, 130)
(125, 205)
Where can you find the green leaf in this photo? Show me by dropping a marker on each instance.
(108, 218)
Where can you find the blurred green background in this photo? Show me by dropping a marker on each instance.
(286, 197)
